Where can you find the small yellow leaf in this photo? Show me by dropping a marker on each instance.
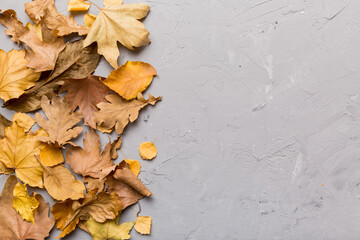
(134, 166)
(78, 5)
(37, 29)
(147, 150)
(143, 225)
(23, 203)
(51, 155)
(109, 2)
(23, 120)
(130, 79)
(89, 19)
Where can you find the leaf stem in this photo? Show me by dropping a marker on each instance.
(139, 209)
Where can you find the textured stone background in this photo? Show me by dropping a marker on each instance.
(258, 132)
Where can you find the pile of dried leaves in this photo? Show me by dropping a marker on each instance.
(31, 79)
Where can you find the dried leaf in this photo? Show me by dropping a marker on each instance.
(91, 161)
(147, 150)
(18, 150)
(109, 230)
(134, 166)
(115, 145)
(143, 224)
(118, 23)
(13, 227)
(60, 123)
(61, 183)
(78, 5)
(118, 113)
(109, 2)
(36, 9)
(51, 155)
(85, 93)
(94, 184)
(100, 206)
(89, 19)
(126, 185)
(23, 203)
(3, 124)
(44, 53)
(37, 30)
(15, 76)
(130, 79)
(23, 120)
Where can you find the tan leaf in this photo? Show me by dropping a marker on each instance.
(91, 161)
(130, 79)
(13, 227)
(94, 184)
(23, 120)
(15, 76)
(126, 185)
(143, 224)
(61, 183)
(37, 29)
(115, 145)
(89, 19)
(147, 150)
(109, 2)
(85, 93)
(118, 113)
(17, 152)
(100, 206)
(36, 9)
(51, 155)
(24, 204)
(78, 5)
(3, 124)
(118, 23)
(44, 53)
(60, 123)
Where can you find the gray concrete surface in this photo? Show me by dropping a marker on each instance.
(258, 132)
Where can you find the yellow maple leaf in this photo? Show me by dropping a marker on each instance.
(15, 76)
(109, 230)
(78, 5)
(147, 150)
(23, 203)
(118, 23)
(143, 224)
(130, 79)
(134, 166)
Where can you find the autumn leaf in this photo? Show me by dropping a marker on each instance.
(37, 29)
(109, 230)
(115, 145)
(101, 207)
(3, 124)
(147, 150)
(36, 9)
(94, 184)
(24, 204)
(118, 113)
(85, 93)
(60, 123)
(13, 227)
(109, 2)
(18, 150)
(143, 224)
(134, 166)
(15, 76)
(130, 79)
(118, 23)
(23, 120)
(91, 161)
(126, 185)
(44, 53)
(78, 5)
(89, 19)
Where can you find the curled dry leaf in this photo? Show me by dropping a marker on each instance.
(44, 53)
(91, 161)
(60, 123)
(118, 23)
(130, 79)
(143, 224)
(85, 93)
(101, 207)
(15, 76)
(109, 230)
(78, 5)
(13, 227)
(17, 152)
(126, 185)
(24, 204)
(147, 150)
(118, 113)
(3, 124)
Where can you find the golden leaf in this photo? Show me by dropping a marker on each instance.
(15, 76)
(23, 120)
(51, 155)
(60, 123)
(130, 79)
(18, 150)
(89, 19)
(3, 124)
(118, 113)
(109, 230)
(134, 166)
(143, 224)
(78, 5)
(147, 150)
(12, 226)
(23, 203)
(118, 23)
